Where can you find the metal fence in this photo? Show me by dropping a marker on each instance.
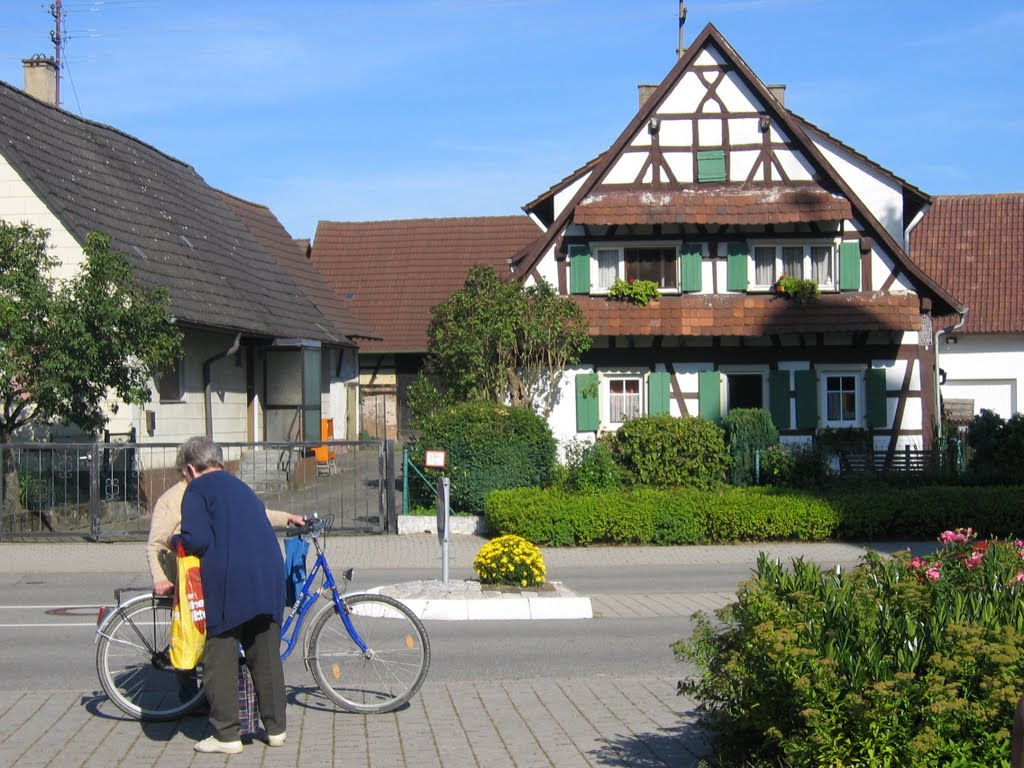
(100, 490)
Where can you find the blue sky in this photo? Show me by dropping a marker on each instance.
(387, 109)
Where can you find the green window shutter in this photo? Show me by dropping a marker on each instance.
(579, 269)
(711, 165)
(709, 395)
(737, 267)
(587, 417)
(876, 399)
(691, 258)
(778, 398)
(806, 384)
(657, 393)
(849, 266)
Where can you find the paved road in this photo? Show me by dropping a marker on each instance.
(522, 723)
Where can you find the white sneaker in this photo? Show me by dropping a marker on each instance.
(277, 739)
(213, 744)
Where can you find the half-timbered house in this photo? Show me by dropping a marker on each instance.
(715, 191)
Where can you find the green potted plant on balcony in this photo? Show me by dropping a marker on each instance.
(799, 289)
(640, 292)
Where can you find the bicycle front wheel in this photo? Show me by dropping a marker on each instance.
(133, 666)
(391, 669)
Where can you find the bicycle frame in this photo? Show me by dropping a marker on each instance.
(305, 599)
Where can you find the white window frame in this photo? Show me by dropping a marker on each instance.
(605, 378)
(743, 370)
(807, 265)
(824, 374)
(620, 266)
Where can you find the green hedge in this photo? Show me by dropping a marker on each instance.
(660, 516)
(690, 516)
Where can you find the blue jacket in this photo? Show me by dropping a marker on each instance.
(225, 524)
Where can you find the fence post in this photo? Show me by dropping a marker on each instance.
(392, 513)
(94, 491)
(405, 480)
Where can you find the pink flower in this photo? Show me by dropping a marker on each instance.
(1018, 578)
(917, 562)
(959, 536)
(974, 560)
(934, 573)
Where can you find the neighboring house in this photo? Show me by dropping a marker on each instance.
(262, 361)
(714, 191)
(391, 273)
(972, 244)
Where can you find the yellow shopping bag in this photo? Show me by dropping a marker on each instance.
(188, 617)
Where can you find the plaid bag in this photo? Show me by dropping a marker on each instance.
(248, 710)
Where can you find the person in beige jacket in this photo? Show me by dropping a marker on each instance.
(166, 521)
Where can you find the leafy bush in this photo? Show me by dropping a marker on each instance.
(884, 665)
(747, 431)
(590, 467)
(998, 448)
(664, 451)
(796, 465)
(489, 446)
(510, 560)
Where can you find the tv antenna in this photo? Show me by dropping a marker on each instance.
(57, 37)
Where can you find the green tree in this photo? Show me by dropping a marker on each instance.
(66, 345)
(496, 340)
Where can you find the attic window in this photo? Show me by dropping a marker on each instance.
(711, 165)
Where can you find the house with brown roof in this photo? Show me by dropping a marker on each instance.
(390, 274)
(714, 192)
(972, 245)
(268, 353)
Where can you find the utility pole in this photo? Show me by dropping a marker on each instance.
(57, 37)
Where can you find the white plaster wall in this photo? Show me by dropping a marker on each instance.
(737, 97)
(563, 196)
(685, 97)
(895, 372)
(562, 418)
(882, 197)
(795, 165)
(176, 421)
(626, 168)
(996, 357)
(675, 133)
(19, 203)
(681, 164)
(548, 268)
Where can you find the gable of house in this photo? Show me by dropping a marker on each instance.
(714, 192)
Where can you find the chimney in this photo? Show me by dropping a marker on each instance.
(646, 91)
(779, 92)
(682, 22)
(41, 78)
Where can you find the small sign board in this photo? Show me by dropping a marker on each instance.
(435, 459)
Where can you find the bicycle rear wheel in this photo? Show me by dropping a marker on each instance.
(133, 666)
(388, 673)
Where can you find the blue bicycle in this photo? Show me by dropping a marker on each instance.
(367, 652)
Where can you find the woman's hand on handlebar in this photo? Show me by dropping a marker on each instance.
(298, 520)
(163, 588)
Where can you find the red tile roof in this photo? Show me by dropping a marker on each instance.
(392, 272)
(291, 255)
(974, 245)
(745, 315)
(718, 204)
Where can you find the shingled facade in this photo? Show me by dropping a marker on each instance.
(715, 191)
(262, 360)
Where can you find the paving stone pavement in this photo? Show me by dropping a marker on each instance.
(506, 724)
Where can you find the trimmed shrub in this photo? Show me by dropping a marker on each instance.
(662, 516)
(510, 560)
(898, 662)
(664, 451)
(489, 446)
(747, 431)
(590, 467)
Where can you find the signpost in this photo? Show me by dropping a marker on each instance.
(437, 460)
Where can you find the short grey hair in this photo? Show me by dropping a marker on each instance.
(201, 452)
